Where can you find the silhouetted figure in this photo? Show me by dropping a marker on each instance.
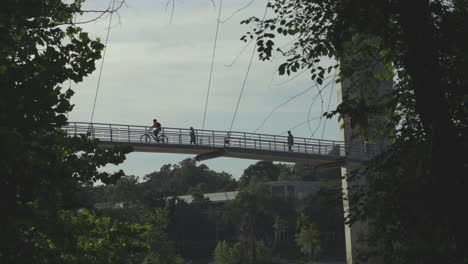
(157, 127)
(290, 141)
(226, 139)
(193, 138)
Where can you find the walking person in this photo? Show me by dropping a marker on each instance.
(227, 139)
(290, 141)
(193, 138)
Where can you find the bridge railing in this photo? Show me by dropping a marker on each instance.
(131, 134)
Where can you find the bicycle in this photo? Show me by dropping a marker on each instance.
(148, 135)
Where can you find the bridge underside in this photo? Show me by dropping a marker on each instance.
(206, 152)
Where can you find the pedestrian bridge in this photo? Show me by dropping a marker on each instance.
(234, 144)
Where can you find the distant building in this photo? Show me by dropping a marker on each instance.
(299, 190)
(218, 197)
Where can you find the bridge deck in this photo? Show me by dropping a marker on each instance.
(240, 144)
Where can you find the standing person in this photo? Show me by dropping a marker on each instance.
(192, 136)
(290, 141)
(157, 127)
(226, 139)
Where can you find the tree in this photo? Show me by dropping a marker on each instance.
(41, 167)
(188, 178)
(325, 209)
(92, 239)
(261, 171)
(82, 237)
(238, 253)
(417, 46)
(126, 191)
(223, 254)
(253, 212)
(307, 237)
(162, 248)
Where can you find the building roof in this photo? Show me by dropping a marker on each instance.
(214, 197)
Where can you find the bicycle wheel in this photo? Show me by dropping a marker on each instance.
(163, 139)
(145, 138)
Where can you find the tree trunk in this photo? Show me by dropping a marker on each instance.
(447, 182)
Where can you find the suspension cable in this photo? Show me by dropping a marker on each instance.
(246, 75)
(212, 63)
(102, 62)
(328, 106)
(286, 102)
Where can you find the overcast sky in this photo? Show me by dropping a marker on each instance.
(157, 69)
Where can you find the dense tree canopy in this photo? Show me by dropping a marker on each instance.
(264, 171)
(420, 48)
(187, 178)
(41, 167)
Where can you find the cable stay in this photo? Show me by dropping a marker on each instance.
(102, 63)
(321, 111)
(328, 106)
(287, 101)
(212, 63)
(245, 78)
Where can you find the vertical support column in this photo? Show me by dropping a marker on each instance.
(352, 232)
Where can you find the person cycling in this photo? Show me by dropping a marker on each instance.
(157, 127)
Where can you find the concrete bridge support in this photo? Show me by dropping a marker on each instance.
(353, 232)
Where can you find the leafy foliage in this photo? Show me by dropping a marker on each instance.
(264, 171)
(223, 254)
(188, 178)
(307, 237)
(238, 253)
(93, 239)
(254, 212)
(404, 68)
(41, 167)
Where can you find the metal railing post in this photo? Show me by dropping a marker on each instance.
(212, 133)
(245, 141)
(110, 128)
(180, 136)
(274, 140)
(260, 141)
(75, 129)
(305, 145)
(128, 133)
